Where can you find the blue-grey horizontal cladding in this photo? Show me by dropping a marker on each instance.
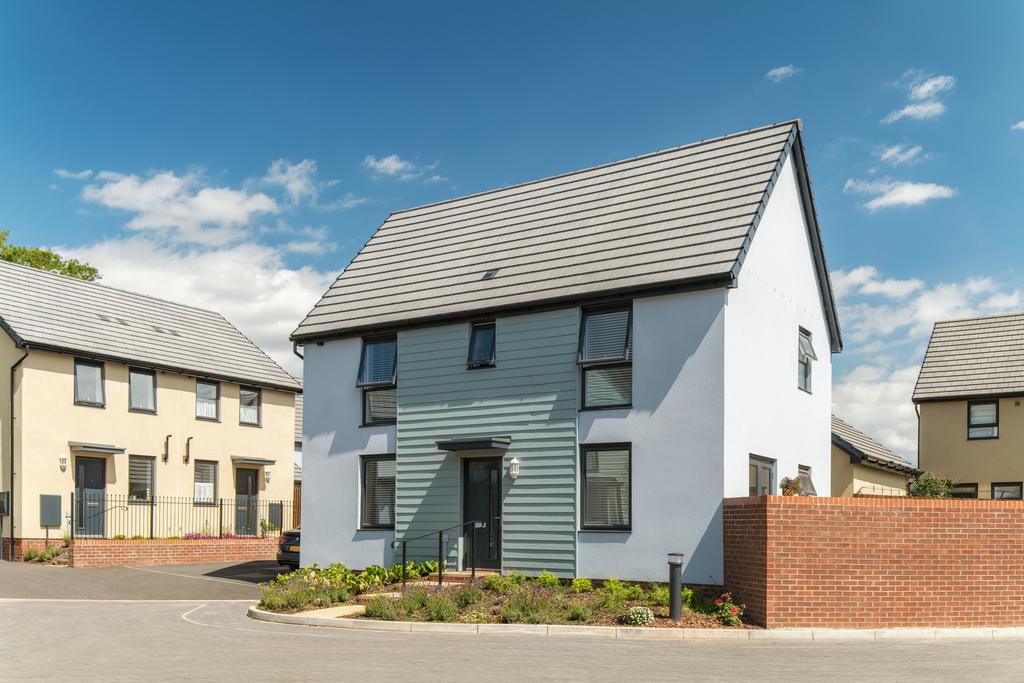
(529, 395)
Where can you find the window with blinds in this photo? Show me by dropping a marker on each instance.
(380, 406)
(378, 492)
(605, 356)
(481, 345)
(142, 390)
(207, 400)
(249, 400)
(606, 483)
(140, 478)
(89, 383)
(378, 362)
(983, 420)
(205, 486)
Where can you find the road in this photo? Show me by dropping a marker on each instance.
(207, 636)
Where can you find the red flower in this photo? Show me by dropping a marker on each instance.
(718, 602)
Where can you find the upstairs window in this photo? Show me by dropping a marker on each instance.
(607, 474)
(377, 378)
(762, 476)
(207, 400)
(140, 478)
(805, 356)
(806, 483)
(89, 383)
(141, 390)
(983, 420)
(249, 402)
(481, 346)
(606, 358)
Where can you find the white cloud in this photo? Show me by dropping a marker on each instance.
(248, 283)
(877, 400)
(72, 175)
(298, 180)
(897, 193)
(928, 88)
(781, 73)
(1018, 126)
(347, 201)
(924, 92)
(866, 280)
(390, 165)
(180, 207)
(315, 242)
(919, 111)
(900, 155)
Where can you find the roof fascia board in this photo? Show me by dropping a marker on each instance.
(15, 337)
(1018, 393)
(856, 455)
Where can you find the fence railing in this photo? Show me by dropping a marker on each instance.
(170, 517)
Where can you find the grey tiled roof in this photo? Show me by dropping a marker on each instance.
(973, 357)
(49, 311)
(679, 217)
(867, 450)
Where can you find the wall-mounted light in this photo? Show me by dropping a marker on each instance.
(167, 448)
(188, 450)
(62, 460)
(513, 468)
(266, 474)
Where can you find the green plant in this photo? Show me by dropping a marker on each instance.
(521, 608)
(726, 611)
(67, 540)
(579, 613)
(413, 600)
(659, 595)
(516, 577)
(384, 608)
(31, 554)
(546, 578)
(614, 593)
(440, 607)
(687, 597)
(638, 615)
(582, 585)
(930, 486)
(791, 486)
(499, 584)
(119, 537)
(138, 537)
(469, 595)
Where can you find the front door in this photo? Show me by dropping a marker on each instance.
(482, 503)
(246, 501)
(90, 490)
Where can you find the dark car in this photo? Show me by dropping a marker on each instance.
(288, 550)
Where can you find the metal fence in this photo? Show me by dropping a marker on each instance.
(172, 517)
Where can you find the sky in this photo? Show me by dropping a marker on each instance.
(236, 155)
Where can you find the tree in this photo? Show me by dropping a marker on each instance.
(44, 259)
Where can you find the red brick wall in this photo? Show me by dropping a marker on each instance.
(111, 553)
(875, 562)
(23, 544)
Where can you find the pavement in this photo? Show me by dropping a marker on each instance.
(207, 637)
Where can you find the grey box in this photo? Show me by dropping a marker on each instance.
(49, 510)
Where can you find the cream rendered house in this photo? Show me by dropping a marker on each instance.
(862, 466)
(126, 401)
(969, 397)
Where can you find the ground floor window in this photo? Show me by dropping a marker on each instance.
(1007, 490)
(378, 494)
(205, 485)
(606, 487)
(762, 476)
(140, 478)
(964, 491)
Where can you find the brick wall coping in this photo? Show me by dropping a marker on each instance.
(877, 501)
(179, 541)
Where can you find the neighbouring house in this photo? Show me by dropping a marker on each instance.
(158, 418)
(585, 364)
(862, 466)
(968, 397)
(297, 455)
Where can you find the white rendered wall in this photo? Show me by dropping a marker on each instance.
(675, 427)
(777, 293)
(333, 441)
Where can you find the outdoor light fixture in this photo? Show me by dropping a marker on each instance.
(266, 474)
(513, 468)
(675, 585)
(62, 460)
(188, 450)
(167, 448)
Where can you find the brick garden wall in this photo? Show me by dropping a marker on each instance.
(875, 562)
(23, 544)
(117, 553)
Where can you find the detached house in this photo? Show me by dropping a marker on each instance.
(862, 466)
(585, 365)
(126, 415)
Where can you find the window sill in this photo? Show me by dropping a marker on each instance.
(140, 502)
(375, 528)
(207, 419)
(141, 411)
(806, 391)
(257, 425)
(982, 438)
(390, 423)
(605, 531)
(205, 505)
(86, 404)
(624, 406)
(480, 366)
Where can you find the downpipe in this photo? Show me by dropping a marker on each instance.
(10, 430)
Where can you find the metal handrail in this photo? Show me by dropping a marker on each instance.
(440, 549)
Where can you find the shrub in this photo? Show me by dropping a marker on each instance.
(384, 608)
(579, 613)
(639, 616)
(582, 585)
(726, 611)
(413, 600)
(516, 577)
(546, 578)
(440, 607)
(659, 595)
(930, 486)
(521, 608)
(469, 595)
(31, 554)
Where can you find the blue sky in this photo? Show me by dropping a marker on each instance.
(236, 155)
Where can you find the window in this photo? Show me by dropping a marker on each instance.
(983, 419)
(806, 483)
(249, 401)
(1007, 491)
(606, 483)
(805, 355)
(762, 476)
(140, 478)
(481, 346)
(89, 383)
(378, 492)
(207, 400)
(141, 390)
(377, 378)
(205, 487)
(964, 491)
(605, 355)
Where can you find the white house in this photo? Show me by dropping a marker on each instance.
(585, 364)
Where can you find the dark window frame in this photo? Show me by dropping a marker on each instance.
(760, 460)
(584, 448)
(479, 364)
(259, 406)
(968, 485)
(362, 362)
(587, 365)
(995, 424)
(583, 386)
(216, 483)
(152, 480)
(808, 376)
(363, 460)
(103, 383)
(141, 371)
(216, 400)
(1018, 484)
(378, 423)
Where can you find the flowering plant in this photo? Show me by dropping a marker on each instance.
(790, 486)
(726, 611)
(639, 616)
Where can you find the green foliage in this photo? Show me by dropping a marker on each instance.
(67, 540)
(546, 578)
(31, 554)
(579, 613)
(639, 615)
(469, 595)
(413, 600)
(44, 259)
(500, 584)
(614, 594)
(687, 597)
(659, 595)
(322, 587)
(521, 608)
(119, 537)
(930, 486)
(726, 611)
(441, 607)
(384, 608)
(582, 585)
(138, 537)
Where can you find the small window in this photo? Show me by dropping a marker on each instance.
(89, 383)
(207, 400)
(205, 486)
(964, 491)
(378, 363)
(605, 355)
(1008, 491)
(380, 406)
(806, 483)
(805, 356)
(481, 346)
(249, 402)
(762, 476)
(141, 390)
(606, 484)
(983, 420)
(378, 492)
(140, 478)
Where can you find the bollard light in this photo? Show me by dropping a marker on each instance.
(675, 586)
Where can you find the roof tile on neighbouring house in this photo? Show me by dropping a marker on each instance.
(867, 449)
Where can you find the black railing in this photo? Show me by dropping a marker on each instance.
(173, 517)
(441, 542)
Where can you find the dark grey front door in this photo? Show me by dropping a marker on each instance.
(246, 501)
(482, 503)
(90, 489)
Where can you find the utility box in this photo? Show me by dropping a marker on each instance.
(49, 511)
